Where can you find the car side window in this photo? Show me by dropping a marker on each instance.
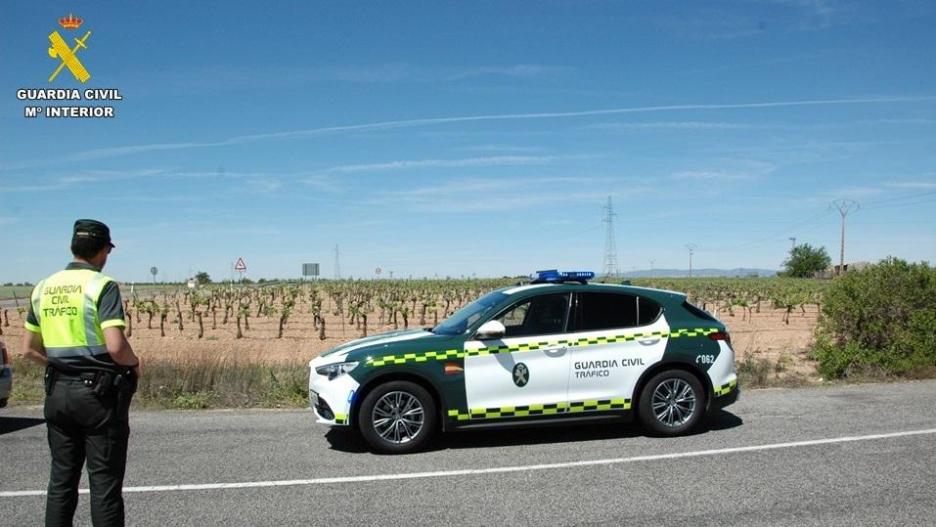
(597, 311)
(540, 315)
(647, 311)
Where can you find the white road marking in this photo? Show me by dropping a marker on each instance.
(494, 470)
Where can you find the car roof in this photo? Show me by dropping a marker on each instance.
(662, 295)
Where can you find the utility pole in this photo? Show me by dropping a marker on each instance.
(337, 263)
(844, 206)
(610, 256)
(793, 241)
(692, 247)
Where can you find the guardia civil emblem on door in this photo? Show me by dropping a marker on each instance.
(521, 374)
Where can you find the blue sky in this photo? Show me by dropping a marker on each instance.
(472, 138)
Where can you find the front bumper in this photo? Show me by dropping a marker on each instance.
(331, 400)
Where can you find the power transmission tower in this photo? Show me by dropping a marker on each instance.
(844, 206)
(692, 247)
(610, 256)
(793, 241)
(337, 263)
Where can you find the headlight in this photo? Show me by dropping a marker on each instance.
(334, 370)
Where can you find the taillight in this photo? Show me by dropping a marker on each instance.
(720, 335)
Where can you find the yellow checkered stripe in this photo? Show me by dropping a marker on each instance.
(341, 419)
(416, 357)
(725, 389)
(532, 346)
(596, 405)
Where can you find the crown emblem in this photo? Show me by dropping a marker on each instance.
(70, 22)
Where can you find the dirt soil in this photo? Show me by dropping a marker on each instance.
(762, 335)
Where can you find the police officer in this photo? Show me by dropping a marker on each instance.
(75, 328)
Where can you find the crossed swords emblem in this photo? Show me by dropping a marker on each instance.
(69, 56)
(521, 374)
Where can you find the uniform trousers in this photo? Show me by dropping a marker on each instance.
(86, 427)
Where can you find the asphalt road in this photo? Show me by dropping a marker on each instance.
(761, 463)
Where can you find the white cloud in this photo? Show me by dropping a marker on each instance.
(101, 153)
(670, 125)
(707, 175)
(489, 194)
(914, 184)
(443, 163)
(517, 71)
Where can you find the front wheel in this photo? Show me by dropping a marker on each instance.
(398, 417)
(671, 403)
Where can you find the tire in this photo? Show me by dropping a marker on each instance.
(672, 416)
(389, 418)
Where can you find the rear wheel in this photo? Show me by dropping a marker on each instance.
(398, 417)
(671, 403)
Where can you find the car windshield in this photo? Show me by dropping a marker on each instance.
(460, 320)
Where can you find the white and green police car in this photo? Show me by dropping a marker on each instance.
(557, 348)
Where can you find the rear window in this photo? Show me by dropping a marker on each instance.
(596, 311)
(698, 312)
(648, 311)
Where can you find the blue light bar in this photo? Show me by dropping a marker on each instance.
(554, 276)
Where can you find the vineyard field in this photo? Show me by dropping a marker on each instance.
(286, 323)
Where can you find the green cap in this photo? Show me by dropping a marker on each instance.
(92, 229)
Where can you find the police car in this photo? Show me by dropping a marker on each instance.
(557, 348)
(6, 375)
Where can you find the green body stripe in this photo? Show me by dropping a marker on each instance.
(605, 405)
(592, 341)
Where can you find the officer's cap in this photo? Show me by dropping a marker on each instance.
(92, 229)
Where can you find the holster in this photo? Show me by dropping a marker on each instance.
(49, 379)
(126, 382)
(103, 384)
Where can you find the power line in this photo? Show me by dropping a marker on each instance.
(781, 234)
(692, 247)
(610, 256)
(844, 206)
(896, 200)
(337, 263)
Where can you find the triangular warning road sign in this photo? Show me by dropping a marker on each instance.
(240, 265)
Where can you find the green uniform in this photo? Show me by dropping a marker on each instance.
(87, 393)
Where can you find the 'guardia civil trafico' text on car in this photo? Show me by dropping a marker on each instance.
(557, 348)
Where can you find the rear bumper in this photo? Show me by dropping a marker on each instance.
(726, 395)
(6, 383)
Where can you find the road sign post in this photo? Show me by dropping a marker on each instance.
(241, 267)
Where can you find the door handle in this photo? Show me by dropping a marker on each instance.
(555, 349)
(649, 342)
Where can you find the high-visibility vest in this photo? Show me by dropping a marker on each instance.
(65, 305)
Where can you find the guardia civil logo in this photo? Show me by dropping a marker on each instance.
(68, 56)
(521, 374)
(68, 50)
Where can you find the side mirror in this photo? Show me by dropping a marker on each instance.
(491, 330)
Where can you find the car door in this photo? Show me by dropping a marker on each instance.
(617, 337)
(527, 371)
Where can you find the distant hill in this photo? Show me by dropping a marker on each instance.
(707, 273)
